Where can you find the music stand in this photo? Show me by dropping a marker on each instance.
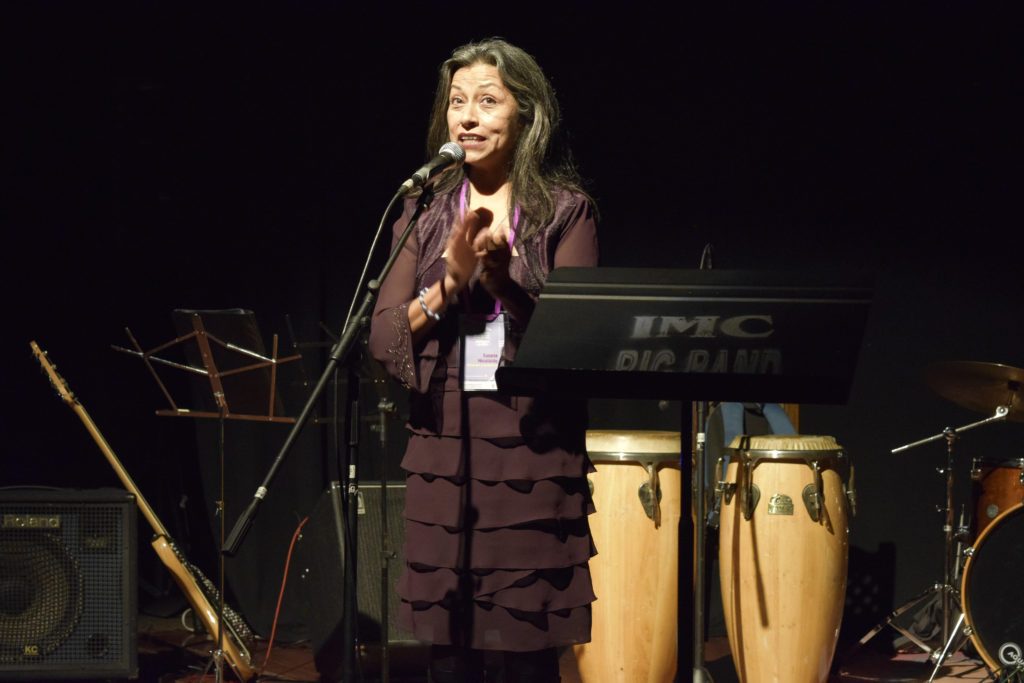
(242, 385)
(707, 335)
(248, 374)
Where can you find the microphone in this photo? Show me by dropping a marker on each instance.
(451, 155)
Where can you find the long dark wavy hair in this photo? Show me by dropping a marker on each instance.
(542, 161)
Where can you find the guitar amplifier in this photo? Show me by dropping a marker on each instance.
(67, 584)
(320, 555)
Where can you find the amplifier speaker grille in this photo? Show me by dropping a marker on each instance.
(67, 584)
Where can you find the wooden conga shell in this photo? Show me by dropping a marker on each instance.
(783, 575)
(635, 573)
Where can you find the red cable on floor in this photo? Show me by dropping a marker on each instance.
(280, 597)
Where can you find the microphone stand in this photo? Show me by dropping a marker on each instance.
(338, 354)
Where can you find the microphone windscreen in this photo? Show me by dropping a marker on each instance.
(454, 150)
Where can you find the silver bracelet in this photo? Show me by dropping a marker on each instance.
(423, 305)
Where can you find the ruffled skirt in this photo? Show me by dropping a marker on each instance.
(497, 545)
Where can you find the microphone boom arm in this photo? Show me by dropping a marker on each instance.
(338, 354)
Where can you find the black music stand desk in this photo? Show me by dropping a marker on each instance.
(692, 335)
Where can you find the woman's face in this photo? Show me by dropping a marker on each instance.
(482, 117)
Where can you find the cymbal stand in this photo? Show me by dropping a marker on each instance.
(952, 534)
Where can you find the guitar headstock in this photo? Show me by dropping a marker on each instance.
(56, 380)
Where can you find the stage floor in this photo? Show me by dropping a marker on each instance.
(170, 654)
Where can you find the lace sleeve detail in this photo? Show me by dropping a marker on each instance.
(400, 348)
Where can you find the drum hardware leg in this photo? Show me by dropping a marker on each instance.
(891, 622)
(940, 657)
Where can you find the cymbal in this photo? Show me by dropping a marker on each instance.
(981, 387)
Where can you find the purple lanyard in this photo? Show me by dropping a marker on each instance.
(463, 202)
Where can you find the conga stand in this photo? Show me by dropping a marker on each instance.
(952, 535)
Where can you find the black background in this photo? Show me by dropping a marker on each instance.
(166, 156)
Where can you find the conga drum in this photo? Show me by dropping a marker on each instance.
(993, 593)
(637, 492)
(998, 486)
(783, 553)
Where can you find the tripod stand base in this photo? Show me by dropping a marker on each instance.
(860, 663)
(916, 633)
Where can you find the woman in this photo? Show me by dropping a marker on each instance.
(497, 540)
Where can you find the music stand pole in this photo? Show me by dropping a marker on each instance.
(686, 617)
(700, 675)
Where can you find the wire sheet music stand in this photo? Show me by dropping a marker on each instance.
(248, 374)
(242, 386)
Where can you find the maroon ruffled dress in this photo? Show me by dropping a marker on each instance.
(497, 539)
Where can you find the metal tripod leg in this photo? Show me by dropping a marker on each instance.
(895, 614)
(949, 646)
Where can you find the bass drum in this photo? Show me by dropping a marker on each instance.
(993, 591)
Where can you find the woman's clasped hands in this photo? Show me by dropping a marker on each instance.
(475, 243)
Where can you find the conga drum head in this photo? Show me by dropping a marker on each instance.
(993, 591)
(781, 443)
(611, 445)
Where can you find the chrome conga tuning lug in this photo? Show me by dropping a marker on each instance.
(812, 501)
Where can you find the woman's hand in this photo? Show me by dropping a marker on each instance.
(492, 249)
(461, 259)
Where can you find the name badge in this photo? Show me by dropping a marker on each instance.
(483, 339)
